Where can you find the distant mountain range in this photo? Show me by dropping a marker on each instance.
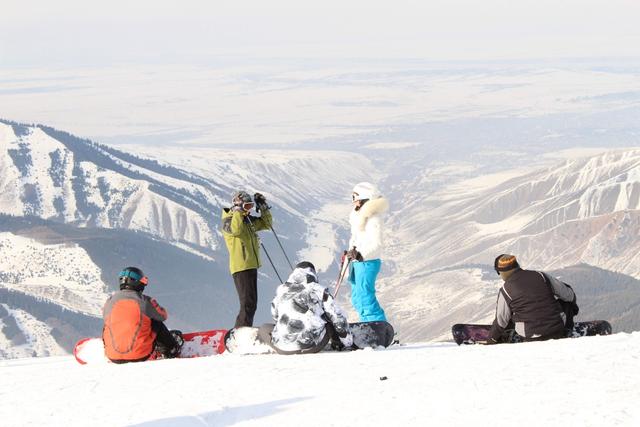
(73, 213)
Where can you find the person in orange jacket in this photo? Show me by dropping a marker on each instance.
(134, 323)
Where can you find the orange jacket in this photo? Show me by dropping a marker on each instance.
(127, 333)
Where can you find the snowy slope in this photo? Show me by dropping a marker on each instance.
(588, 381)
(174, 194)
(36, 277)
(60, 273)
(53, 175)
(441, 244)
(33, 340)
(552, 218)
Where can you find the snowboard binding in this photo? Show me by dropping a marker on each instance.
(171, 353)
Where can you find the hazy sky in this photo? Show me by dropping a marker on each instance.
(79, 32)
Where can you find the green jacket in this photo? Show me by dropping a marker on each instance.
(241, 238)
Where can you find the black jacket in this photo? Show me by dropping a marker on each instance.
(529, 299)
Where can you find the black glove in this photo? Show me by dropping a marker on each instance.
(354, 255)
(261, 202)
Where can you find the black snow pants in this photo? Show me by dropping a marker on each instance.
(165, 342)
(246, 282)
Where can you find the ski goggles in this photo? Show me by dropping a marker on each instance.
(355, 196)
(135, 276)
(248, 206)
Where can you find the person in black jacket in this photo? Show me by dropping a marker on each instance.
(539, 306)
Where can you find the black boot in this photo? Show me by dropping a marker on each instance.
(175, 350)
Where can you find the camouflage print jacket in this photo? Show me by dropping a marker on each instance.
(301, 309)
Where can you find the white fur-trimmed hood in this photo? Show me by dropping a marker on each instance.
(370, 208)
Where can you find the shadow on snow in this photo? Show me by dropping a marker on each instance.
(224, 417)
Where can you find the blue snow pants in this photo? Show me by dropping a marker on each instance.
(362, 277)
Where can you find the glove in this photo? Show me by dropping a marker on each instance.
(261, 202)
(354, 255)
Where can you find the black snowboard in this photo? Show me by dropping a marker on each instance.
(472, 334)
(372, 334)
(365, 334)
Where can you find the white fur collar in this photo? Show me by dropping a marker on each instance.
(370, 208)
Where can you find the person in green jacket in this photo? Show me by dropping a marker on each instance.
(239, 230)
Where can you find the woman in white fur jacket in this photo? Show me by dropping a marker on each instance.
(365, 250)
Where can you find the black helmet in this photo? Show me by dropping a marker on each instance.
(132, 278)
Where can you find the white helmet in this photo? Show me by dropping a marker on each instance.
(365, 191)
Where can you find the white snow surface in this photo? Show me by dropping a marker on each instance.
(588, 382)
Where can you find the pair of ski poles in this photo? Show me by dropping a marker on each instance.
(344, 267)
(267, 253)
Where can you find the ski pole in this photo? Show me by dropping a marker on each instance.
(265, 250)
(344, 257)
(275, 234)
(272, 265)
(285, 254)
(341, 278)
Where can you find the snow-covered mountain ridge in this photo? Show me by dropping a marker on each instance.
(73, 213)
(86, 184)
(105, 207)
(553, 218)
(579, 218)
(176, 194)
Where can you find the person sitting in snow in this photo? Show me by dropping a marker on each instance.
(134, 323)
(536, 304)
(307, 318)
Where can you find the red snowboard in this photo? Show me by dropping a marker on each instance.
(196, 344)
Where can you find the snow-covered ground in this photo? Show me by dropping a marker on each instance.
(589, 381)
